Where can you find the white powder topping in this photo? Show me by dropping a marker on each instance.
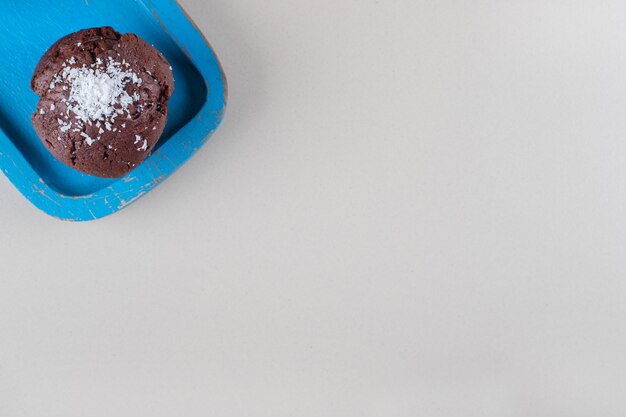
(144, 146)
(78, 44)
(42, 112)
(88, 140)
(137, 139)
(97, 92)
(65, 126)
(55, 81)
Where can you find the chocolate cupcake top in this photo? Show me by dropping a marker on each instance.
(103, 100)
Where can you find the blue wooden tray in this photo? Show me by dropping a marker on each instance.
(196, 109)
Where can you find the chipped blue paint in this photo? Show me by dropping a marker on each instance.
(196, 108)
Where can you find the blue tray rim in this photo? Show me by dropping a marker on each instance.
(162, 163)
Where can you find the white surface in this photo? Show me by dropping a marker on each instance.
(413, 208)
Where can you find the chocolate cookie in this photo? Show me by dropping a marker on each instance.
(103, 100)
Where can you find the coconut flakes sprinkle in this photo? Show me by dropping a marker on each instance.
(88, 139)
(144, 145)
(97, 93)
